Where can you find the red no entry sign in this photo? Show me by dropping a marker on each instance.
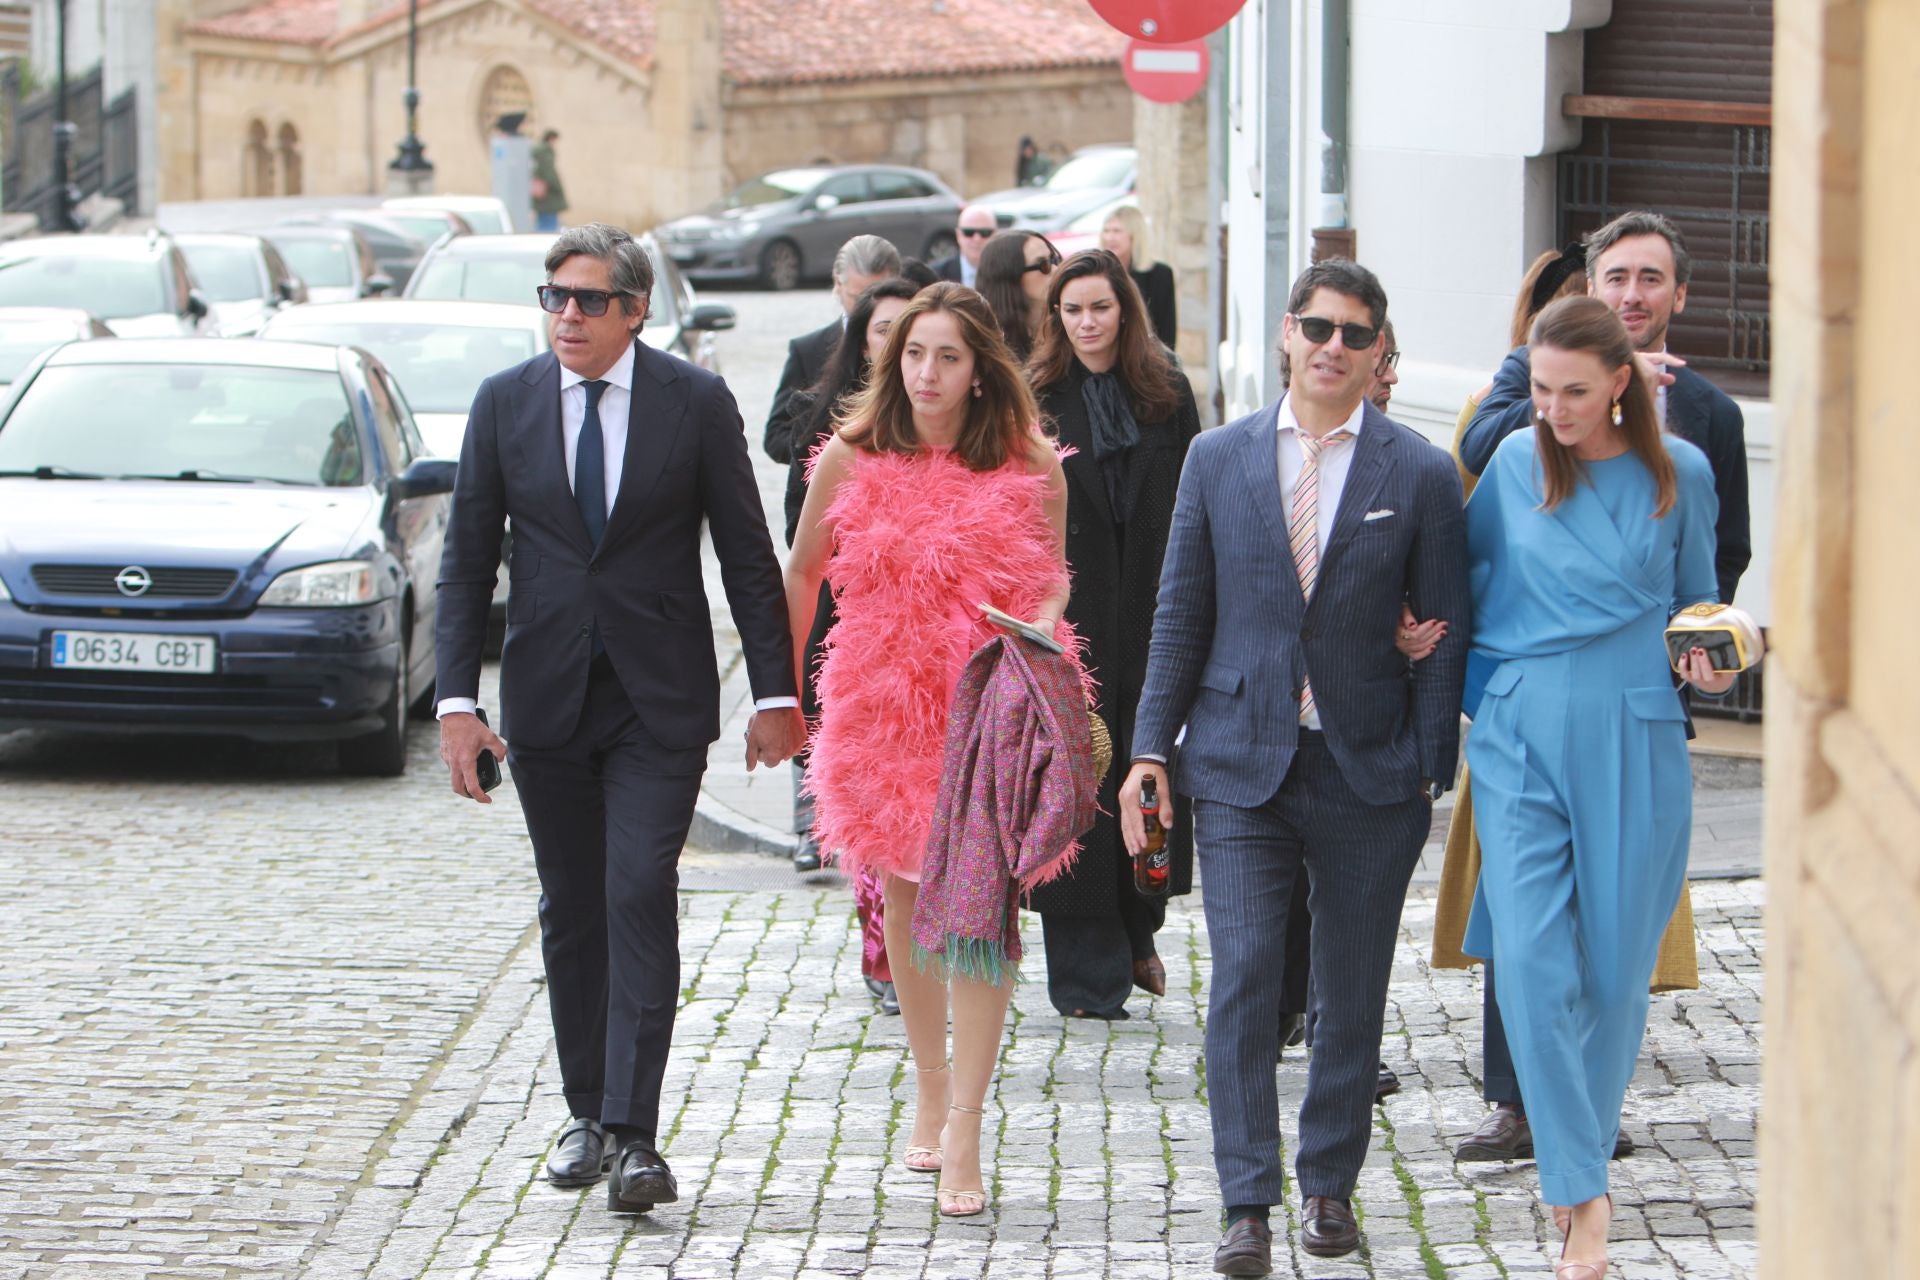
(1165, 72)
(1167, 21)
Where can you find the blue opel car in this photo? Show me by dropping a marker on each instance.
(230, 536)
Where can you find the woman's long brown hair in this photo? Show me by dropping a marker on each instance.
(1589, 325)
(1141, 362)
(1000, 420)
(1003, 265)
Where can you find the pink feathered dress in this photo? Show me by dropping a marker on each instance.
(919, 543)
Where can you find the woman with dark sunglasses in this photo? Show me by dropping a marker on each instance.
(1127, 413)
(1015, 268)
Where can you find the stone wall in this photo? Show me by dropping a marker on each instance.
(1174, 158)
(966, 129)
(1840, 1144)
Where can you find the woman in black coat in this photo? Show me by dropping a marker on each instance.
(1114, 395)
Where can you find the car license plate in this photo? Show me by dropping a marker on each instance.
(131, 651)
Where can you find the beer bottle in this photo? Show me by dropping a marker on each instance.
(1152, 865)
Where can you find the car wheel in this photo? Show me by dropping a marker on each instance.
(941, 245)
(382, 753)
(780, 265)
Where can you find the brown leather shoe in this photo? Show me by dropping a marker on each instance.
(1327, 1227)
(1246, 1249)
(1503, 1135)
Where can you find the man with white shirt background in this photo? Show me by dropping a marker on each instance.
(608, 456)
(1313, 747)
(976, 226)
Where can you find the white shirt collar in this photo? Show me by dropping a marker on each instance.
(1290, 423)
(621, 375)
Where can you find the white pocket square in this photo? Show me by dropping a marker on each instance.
(1381, 514)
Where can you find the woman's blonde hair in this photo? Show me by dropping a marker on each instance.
(1000, 418)
(1130, 217)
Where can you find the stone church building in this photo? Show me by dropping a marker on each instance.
(661, 104)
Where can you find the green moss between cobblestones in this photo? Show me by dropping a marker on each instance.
(1416, 1210)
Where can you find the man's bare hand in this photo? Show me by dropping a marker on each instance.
(462, 739)
(775, 736)
(1418, 639)
(1132, 830)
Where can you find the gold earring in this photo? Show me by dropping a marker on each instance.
(1616, 413)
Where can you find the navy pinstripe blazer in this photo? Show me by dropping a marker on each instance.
(1233, 636)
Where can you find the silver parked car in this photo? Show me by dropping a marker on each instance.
(1090, 178)
(243, 277)
(139, 285)
(783, 228)
(25, 332)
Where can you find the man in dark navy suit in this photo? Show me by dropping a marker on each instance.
(608, 456)
(1313, 747)
(861, 262)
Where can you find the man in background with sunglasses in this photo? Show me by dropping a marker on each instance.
(608, 456)
(862, 262)
(975, 227)
(1313, 748)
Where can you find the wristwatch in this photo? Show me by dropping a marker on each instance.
(1432, 790)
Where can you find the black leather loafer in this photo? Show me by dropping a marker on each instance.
(1327, 1227)
(1389, 1083)
(582, 1155)
(640, 1181)
(1246, 1249)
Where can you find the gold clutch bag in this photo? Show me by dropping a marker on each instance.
(1730, 636)
(1102, 744)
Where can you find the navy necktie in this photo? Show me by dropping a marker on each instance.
(590, 466)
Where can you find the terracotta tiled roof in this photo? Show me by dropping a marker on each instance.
(777, 41)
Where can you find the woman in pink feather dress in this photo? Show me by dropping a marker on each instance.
(937, 494)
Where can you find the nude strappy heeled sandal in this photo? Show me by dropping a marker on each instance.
(959, 1202)
(929, 1157)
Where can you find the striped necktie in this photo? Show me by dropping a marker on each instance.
(1303, 526)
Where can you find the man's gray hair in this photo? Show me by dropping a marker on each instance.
(866, 256)
(628, 268)
(1641, 222)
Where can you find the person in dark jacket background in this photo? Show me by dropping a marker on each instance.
(1114, 397)
(861, 261)
(1124, 234)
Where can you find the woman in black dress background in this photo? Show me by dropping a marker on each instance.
(1115, 396)
(1124, 234)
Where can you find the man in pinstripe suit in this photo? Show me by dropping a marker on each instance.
(1311, 743)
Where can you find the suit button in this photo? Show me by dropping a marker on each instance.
(586, 632)
(1306, 633)
(593, 570)
(1296, 693)
(1073, 528)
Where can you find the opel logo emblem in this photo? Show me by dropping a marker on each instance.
(133, 580)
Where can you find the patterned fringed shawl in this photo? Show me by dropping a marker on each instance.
(1017, 791)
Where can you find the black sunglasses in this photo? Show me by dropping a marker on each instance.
(1357, 337)
(593, 302)
(981, 232)
(1053, 258)
(1391, 360)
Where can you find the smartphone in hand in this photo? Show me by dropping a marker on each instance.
(487, 766)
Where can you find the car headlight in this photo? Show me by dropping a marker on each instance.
(736, 230)
(338, 584)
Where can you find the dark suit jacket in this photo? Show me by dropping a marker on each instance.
(686, 462)
(806, 361)
(1697, 411)
(1233, 637)
(948, 268)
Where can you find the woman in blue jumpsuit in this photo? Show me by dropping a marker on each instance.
(1586, 535)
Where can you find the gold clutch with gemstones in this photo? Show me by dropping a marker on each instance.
(1730, 636)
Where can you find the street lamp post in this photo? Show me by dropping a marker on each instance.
(66, 198)
(411, 173)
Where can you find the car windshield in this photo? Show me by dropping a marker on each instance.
(485, 222)
(324, 264)
(450, 278)
(428, 226)
(233, 421)
(1092, 171)
(439, 367)
(225, 273)
(22, 340)
(111, 288)
(770, 188)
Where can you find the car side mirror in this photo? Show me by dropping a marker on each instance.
(712, 317)
(425, 477)
(286, 290)
(379, 283)
(197, 304)
(825, 203)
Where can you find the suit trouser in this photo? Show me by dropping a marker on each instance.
(1359, 858)
(608, 812)
(1499, 1082)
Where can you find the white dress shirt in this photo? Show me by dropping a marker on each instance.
(969, 271)
(1335, 461)
(616, 400)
